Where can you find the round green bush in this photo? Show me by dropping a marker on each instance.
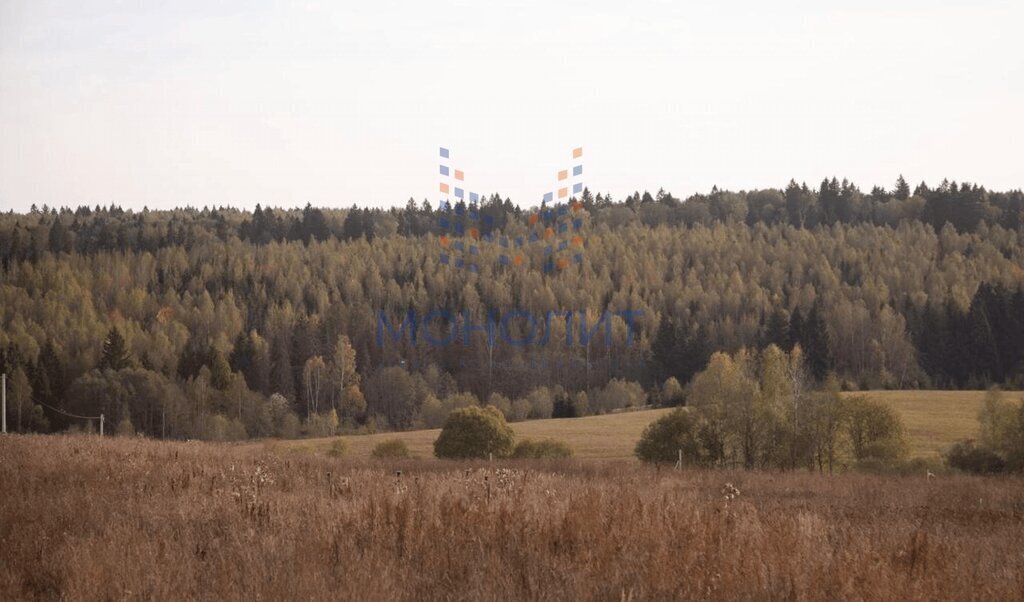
(474, 432)
(662, 439)
(392, 448)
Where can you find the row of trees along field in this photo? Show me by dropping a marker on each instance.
(224, 323)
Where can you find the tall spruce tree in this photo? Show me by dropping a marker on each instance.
(776, 330)
(902, 191)
(815, 343)
(115, 355)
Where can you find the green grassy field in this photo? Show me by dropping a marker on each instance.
(933, 420)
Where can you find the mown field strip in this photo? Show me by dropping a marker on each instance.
(933, 420)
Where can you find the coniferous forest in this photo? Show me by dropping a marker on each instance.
(219, 323)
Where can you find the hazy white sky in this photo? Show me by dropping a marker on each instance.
(174, 103)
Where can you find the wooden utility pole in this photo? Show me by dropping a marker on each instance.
(4, 395)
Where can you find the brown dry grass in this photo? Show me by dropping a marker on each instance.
(84, 518)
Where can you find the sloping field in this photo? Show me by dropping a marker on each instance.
(933, 419)
(611, 436)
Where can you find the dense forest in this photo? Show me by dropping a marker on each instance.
(221, 323)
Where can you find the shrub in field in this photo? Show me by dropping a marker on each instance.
(474, 432)
(392, 448)
(875, 430)
(915, 467)
(338, 448)
(1000, 446)
(920, 466)
(995, 420)
(661, 441)
(965, 456)
(541, 449)
(1001, 429)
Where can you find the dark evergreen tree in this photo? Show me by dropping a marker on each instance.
(48, 382)
(563, 406)
(358, 223)
(929, 331)
(194, 356)
(665, 349)
(282, 375)
(55, 369)
(243, 359)
(313, 225)
(902, 191)
(829, 199)
(115, 355)
(776, 331)
(815, 342)
(957, 347)
(796, 327)
(694, 351)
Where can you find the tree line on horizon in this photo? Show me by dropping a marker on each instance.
(966, 207)
(222, 323)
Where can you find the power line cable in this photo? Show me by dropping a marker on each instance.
(60, 411)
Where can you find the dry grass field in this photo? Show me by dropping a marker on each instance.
(84, 519)
(934, 420)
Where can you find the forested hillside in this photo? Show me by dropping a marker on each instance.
(221, 323)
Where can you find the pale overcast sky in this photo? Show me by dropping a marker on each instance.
(335, 103)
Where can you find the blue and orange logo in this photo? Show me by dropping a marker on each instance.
(550, 237)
